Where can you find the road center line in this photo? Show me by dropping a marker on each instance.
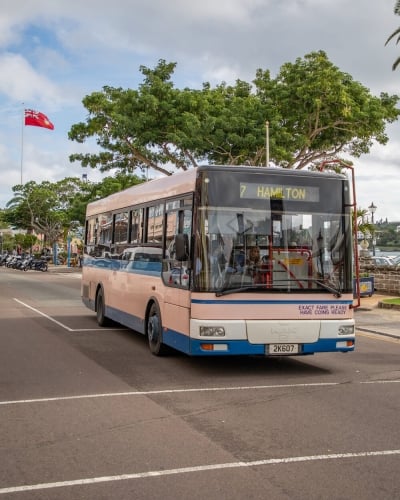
(191, 390)
(198, 468)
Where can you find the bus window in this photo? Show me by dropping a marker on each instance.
(121, 228)
(136, 226)
(155, 217)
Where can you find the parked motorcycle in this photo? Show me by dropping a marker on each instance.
(39, 265)
(13, 261)
(3, 259)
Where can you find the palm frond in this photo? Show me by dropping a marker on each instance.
(397, 32)
(396, 63)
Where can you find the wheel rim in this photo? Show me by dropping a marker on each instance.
(154, 329)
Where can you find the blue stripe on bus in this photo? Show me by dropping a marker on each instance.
(269, 302)
(193, 347)
(126, 319)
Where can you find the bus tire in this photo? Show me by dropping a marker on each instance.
(102, 320)
(154, 332)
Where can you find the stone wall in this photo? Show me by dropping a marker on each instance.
(386, 278)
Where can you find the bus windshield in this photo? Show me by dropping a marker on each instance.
(286, 238)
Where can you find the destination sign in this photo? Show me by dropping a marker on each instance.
(278, 192)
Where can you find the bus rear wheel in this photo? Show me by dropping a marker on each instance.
(102, 320)
(154, 332)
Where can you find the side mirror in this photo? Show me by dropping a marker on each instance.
(181, 247)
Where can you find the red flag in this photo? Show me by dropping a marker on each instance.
(37, 119)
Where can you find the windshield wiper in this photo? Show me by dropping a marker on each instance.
(322, 284)
(227, 291)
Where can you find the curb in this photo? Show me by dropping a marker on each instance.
(385, 305)
(64, 269)
(376, 332)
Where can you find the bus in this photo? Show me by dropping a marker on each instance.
(226, 260)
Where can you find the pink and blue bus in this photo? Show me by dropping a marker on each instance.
(224, 260)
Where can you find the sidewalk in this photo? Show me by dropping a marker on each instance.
(371, 318)
(63, 268)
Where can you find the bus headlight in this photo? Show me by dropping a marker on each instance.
(212, 331)
(346, 330)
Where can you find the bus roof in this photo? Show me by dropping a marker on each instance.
(181, 183)
(171, 185)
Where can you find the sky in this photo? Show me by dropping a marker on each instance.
(54, 53)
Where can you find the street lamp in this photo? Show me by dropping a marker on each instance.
(1, 241)
(372, 208)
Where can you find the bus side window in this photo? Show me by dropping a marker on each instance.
(136, 226)
(182, 247)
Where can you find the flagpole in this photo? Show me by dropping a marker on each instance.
(22, 138)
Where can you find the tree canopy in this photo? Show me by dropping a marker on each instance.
(52, 209)
(315, 112)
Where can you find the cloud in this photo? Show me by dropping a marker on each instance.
(20, 81)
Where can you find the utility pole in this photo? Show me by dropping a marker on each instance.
(267, 144)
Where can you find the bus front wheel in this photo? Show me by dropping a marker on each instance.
(154, 332)
(100, 309)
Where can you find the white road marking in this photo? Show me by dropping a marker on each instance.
(44, 315)
(198, 468)
(62, 324)
(180, 391)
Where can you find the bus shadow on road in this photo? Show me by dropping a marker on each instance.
(125, 353)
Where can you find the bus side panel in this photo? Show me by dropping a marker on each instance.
(127, 295)
(268, 307)
(131, 292)
(176, 318)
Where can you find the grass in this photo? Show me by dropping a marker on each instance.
(395, 301)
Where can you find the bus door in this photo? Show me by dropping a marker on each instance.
(177, 269)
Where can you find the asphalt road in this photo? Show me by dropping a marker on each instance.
(89, 413)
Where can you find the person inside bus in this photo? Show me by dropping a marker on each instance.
(256, 268)
(253, 256)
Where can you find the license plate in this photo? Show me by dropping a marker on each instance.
(282, 349)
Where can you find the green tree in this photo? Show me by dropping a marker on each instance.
(315, 111)
(111, 184)
(134, 128)
(233, 129)
(3, 223)
(323, 112)
(363, 225)
(53, 208)
(25, 241)
(37, 207)
(395, 33)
